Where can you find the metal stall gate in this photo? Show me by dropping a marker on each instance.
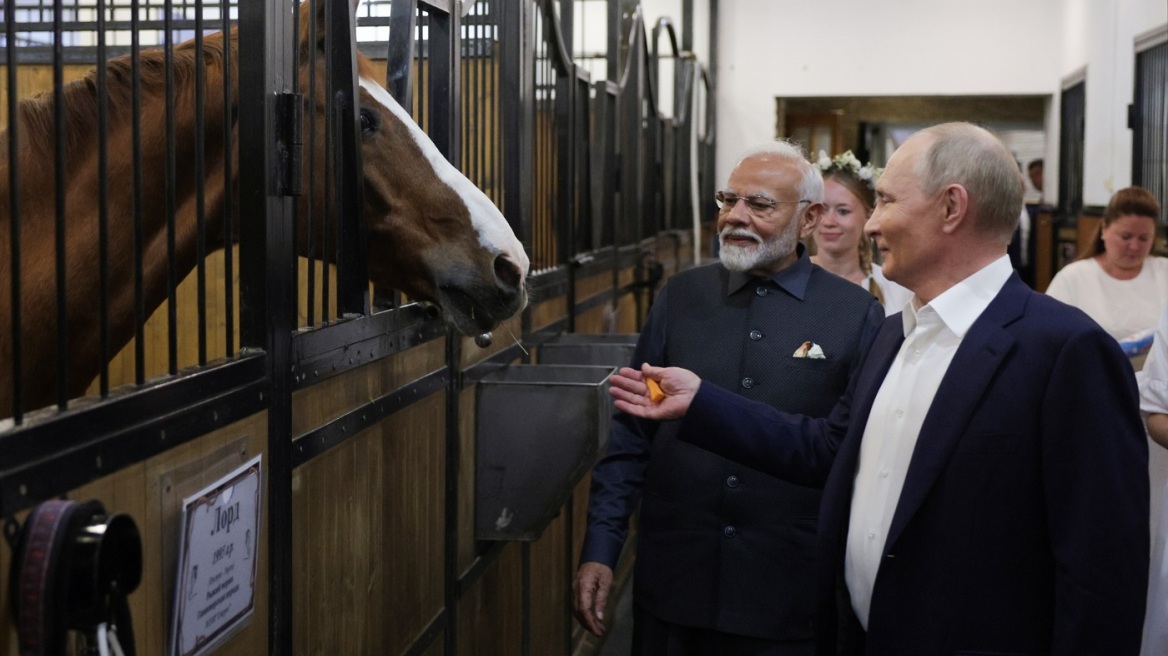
(189, 280)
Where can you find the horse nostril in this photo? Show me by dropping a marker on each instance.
(507, 273)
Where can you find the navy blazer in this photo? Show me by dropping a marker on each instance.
(1022, 527)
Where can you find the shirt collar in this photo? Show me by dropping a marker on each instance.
(792, 279)
(961, 305)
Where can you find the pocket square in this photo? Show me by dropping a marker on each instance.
(809, 350)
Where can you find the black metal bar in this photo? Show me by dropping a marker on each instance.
(425, 640)
(400, 55)
(479, 567)
(200, 186)
(53, 453)
(14, 213)
(516, 82)
(330, 193)
(443, 97)
(614, 39)
(268, 304)
(422, 81)
(333, 433)
(492, 139)
(228, 176)
(61, 175)
(310, 211)
(322, 354)
(352, 262)
(102, 203)
(139, 237)
(171, 199)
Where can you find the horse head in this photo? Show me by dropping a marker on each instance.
(432, 233)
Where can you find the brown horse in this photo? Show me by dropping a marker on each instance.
(431, 233)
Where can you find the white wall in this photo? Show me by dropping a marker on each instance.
(799, 48)
(1099, 35)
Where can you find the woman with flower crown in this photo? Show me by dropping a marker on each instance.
(840, 243)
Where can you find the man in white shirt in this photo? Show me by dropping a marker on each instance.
(985, 485)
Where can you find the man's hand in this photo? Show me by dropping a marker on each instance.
(632, 394)
(590, 595)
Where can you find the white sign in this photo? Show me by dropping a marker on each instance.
(215, 589)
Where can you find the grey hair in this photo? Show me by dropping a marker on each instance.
(971, 156)
(810, 185)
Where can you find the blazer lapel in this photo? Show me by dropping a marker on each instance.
(981, 353)
(838, 488)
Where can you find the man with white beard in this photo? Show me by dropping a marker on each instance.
(724, 554)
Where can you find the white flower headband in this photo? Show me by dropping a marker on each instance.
(846, 161)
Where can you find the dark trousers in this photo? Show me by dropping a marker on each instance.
(653, 636)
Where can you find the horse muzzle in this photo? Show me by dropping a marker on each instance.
(474, 306)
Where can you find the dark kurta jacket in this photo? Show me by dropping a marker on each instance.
(720, 544)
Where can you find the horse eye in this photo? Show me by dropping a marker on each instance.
(370, 122)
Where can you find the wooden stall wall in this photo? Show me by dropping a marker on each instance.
(151, 491)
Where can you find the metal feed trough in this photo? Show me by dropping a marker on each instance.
(536, 429)
(610, 350)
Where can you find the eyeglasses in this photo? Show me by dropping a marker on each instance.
(757, 204)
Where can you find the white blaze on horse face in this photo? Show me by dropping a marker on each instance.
(494, 232)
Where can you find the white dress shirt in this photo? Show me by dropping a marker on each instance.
(932, 335)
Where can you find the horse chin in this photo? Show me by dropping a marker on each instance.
(473, 312)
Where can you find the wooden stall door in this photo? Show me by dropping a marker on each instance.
(816, 132)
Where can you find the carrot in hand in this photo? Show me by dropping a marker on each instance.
(655, 393)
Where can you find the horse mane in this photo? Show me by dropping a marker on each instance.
(80, 98)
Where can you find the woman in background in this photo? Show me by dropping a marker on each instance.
(841, 246)
(1117, 282)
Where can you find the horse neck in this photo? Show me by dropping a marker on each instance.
(132, 209)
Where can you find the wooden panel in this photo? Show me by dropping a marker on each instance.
(626, 276)
(333, 397)
(579, 503)
(466, 478)
(156, 330)
(1088, 226)
(490, 614)
(548, 312)
(414, 515)
(1043, 251)
(34, 79)
(593, 285)
(337, 539)
(626, 315)
(138, 491)
(816, 132)
(369, 516)
(598, 320)
(550, 598)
